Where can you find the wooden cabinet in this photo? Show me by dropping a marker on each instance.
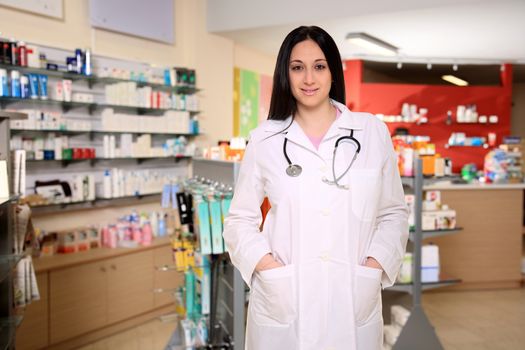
(78, 300)
(33, 332)
(166, 280)
(89, 295)
(130, 285)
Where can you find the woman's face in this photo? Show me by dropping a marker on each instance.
(310, 77)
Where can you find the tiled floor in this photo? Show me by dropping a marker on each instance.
(463, 320)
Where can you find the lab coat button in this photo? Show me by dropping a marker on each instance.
(323, 169)
(325, 212)
(325, 257)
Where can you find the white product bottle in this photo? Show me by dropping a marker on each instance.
(154, 221)
(91, 187)
(115, 183)
(107, 184)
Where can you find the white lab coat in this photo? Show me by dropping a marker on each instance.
(323, 298)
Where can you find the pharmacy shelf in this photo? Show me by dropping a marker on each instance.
(435, 233)
(92, 79)
(429, 180)
(66, 106)
(65, 162)
(7, 263)
(103, 132)
(93, 204)
(8, 328)
(409, 287)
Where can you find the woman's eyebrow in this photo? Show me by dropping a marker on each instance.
(317, 60)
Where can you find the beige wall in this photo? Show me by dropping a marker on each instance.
(249, 59)
(213, 57)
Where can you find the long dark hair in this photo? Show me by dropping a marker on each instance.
(283, 104)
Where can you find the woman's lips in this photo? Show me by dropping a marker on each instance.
(309, 92)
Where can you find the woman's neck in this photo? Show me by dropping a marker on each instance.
(316, 121)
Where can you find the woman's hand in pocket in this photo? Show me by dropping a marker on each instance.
(373, 263)
(267, 262)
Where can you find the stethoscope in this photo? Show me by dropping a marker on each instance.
(294, 170)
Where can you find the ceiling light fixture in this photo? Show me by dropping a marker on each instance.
(454, 80)
(429, 66)
(372, 43)
(455, 67)
(399, 65)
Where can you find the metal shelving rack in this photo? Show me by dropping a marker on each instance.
(8, 320)
(231, 304)
(418, 332)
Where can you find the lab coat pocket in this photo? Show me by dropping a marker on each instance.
(365, 190)
(272, 297)
(367, 291)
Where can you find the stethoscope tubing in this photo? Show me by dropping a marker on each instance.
(336, 179)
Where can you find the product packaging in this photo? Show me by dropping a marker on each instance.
(42, 83)
(430, 263)
(15, 84)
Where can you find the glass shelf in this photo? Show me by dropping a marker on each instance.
(428, 180)
(8, 328)
(409, 287)
(96, 203)
(436, 233)
(78, 132)
(48, 72)
(7, 263)
(66, 162)
(4, 101)
(91, 79)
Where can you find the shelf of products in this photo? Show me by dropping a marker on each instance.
(68, 105)
(103, 132)
(8, 328)
(436, 233)
(97, 203)
(139, 160)
(430, 180)
(7, 263)
(409, 287)
(92, 79)
(418, 323)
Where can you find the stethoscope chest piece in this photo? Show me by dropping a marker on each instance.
(294, 170)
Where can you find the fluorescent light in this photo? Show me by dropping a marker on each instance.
(372, 43)
(454, 80)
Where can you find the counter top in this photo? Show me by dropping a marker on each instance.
(477, 186)
(59, 261)
(12, 115)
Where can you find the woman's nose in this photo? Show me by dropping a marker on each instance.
(308, 76)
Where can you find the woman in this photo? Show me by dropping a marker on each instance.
(327, 247)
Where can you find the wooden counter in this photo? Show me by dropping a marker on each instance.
(487, 253)
(59, 261)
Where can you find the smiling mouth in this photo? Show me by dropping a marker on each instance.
(309, 92)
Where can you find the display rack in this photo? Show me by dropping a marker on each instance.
(231, 291)
(95, 203)
(418, 332)
(95, 85)
(8, 261)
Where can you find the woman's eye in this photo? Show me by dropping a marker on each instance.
(320, 67)
(297, 67)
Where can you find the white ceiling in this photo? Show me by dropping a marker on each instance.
(462, 31)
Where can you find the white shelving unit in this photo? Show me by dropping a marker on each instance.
(418, 332)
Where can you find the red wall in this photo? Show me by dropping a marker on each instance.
(438, 99)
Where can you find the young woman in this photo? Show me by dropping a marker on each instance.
(337, 228)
